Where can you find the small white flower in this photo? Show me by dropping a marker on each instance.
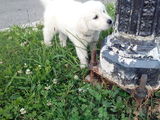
(76, 77)
(54, 81)
(28, 72)
(1, 62)
(20, 71)
(24, 43)
(81, 90)
(40, 66)
(66, 65)
(23, 111)
(47, 88)
(49, 103)
(25, 65)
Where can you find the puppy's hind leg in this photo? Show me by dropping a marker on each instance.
(48, 32)
(62, 39)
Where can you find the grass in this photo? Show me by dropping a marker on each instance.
(46, 83)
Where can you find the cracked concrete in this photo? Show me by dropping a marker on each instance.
(18, 12)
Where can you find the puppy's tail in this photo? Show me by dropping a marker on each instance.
(45, 2)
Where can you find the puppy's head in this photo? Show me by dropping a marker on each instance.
(95, 16)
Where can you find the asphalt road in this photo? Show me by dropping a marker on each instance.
(18, 12)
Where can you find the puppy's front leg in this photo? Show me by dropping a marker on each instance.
(82, 55)
(93, 44)
(49, 31)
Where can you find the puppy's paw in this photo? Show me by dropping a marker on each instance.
(82, 66)
(49, 44)
(63, 44)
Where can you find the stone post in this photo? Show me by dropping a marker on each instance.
(130, 56)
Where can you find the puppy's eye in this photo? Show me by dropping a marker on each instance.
(95, 17)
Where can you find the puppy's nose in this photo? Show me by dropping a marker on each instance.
(109, 21)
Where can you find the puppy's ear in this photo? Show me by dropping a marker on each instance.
(82, 25)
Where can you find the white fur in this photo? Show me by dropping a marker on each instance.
(75, 20)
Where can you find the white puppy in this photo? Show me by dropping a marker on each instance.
(80, 22)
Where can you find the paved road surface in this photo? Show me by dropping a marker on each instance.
(18, 12)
